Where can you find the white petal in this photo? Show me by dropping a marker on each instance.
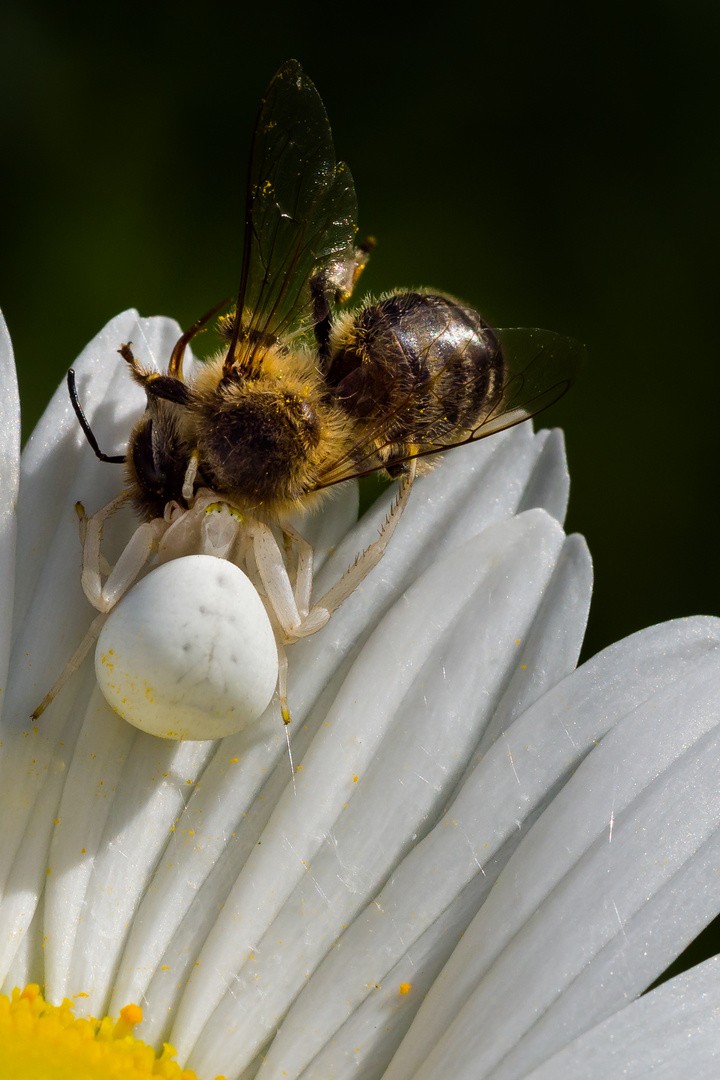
(548, 485)
(671, 1033)
(436, 890)
(95, 771)
(225, 795)
(470, 490)
(578, 920)
(435, 710)
(149, 798)
(51, 612)
(10, 473)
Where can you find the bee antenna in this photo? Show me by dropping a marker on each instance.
(175, 365)
(118, 459)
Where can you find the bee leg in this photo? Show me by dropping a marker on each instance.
(175, 365)
(188, 488)
(321, 314)
(72, 665)
(336, 283)
(168, 387)
(362, 256)
(372, 555)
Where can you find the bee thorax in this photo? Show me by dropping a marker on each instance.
(261, 443)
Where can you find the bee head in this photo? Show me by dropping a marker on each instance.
(157, 458)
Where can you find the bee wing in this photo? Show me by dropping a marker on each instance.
(540, 367)
(301, 213)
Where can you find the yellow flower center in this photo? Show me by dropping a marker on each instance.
(47, 1042)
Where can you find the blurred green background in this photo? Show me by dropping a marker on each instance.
(554, 165)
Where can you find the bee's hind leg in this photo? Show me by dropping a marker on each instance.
(321, 314)
(364, 563)
(335, 283)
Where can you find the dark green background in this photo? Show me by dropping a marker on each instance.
(555, 165)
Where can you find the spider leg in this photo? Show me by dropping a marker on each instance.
(136, 553)
(304, 574)
(72, 665)
(91, 538)
(282, 683)
(276, 580)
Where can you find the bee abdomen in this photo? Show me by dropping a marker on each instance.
(423, 365)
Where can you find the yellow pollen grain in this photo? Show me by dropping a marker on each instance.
(405, 988)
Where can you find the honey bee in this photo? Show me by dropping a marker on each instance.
(304, 394)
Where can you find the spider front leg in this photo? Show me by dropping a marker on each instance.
(289, 615)
(284, 611)
(142, 544)
(292, 621)
(94, 563)
(304, 572)
(287, 608)
(104, 597)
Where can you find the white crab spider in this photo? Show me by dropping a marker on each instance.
(171, 706)
(189, 652)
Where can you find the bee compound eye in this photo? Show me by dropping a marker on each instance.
(189, 652)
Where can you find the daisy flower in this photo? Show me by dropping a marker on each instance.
(482, 856)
